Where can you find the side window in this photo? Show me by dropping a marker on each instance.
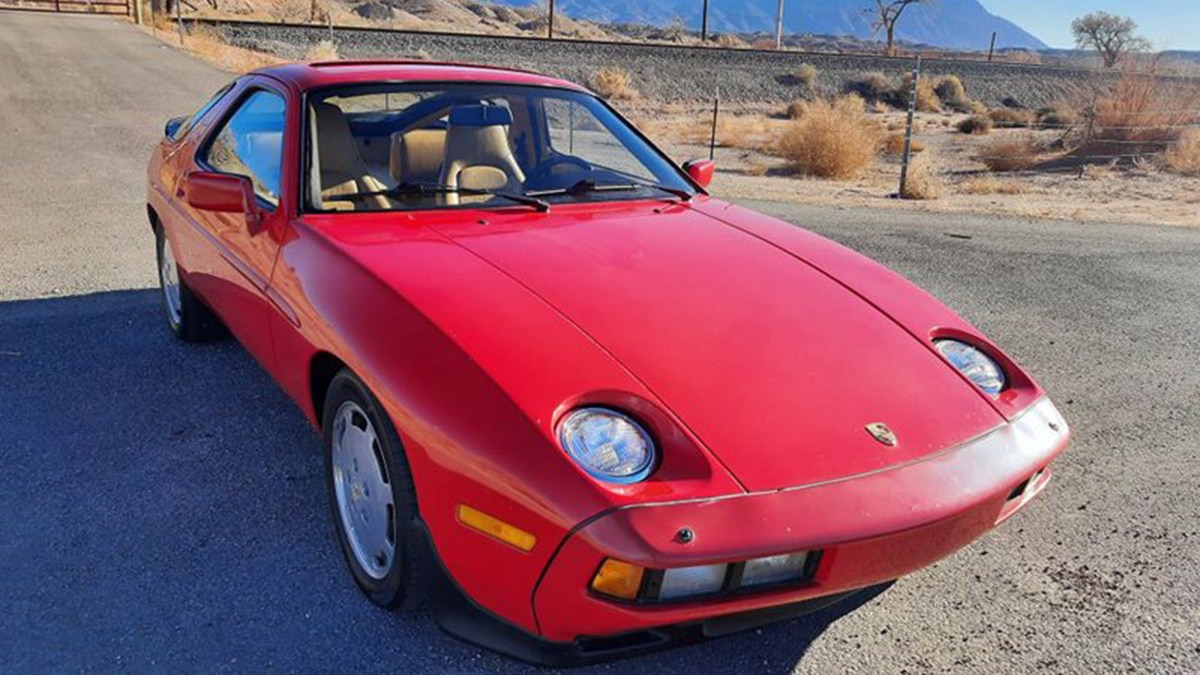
(251, 144)
(199, 114)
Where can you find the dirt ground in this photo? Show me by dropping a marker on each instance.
(1134, 192)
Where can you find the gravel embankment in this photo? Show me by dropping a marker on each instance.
(665, 73)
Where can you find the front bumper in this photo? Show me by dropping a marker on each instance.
(870, 528)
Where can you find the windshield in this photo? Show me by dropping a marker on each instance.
(425, 146)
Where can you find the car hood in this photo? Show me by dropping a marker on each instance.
(774, 364)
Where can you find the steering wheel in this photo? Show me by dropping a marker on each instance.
(544, 174)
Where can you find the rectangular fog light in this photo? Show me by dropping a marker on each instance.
(685, 582)
(775, 569)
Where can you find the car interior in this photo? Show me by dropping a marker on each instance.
(447, 147)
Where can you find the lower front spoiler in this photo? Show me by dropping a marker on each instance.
(459, 616)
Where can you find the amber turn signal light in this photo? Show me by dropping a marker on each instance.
(618, 579)
(495, 528)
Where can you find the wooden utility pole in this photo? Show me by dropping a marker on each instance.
(779, 27)
(704, 24)
(551, 21)
(992, 49)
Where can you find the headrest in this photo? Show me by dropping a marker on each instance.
(480, 116)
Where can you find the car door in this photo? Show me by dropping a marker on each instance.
(250, 141)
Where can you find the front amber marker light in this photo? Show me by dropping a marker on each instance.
(495, 528)
(618, 579)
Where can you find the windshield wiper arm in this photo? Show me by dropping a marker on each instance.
(434, 189)
(585, 186)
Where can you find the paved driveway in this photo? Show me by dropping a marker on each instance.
(162, 506)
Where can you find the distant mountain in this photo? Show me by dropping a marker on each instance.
(953, 24)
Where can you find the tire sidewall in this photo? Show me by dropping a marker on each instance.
(161, 242)
(391, 591)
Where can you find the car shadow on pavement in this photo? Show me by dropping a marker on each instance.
(167, 511)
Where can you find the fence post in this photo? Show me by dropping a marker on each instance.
(908, 132)
(712, 141)
(1088, 131)
(550, 22)
(179, 20)
(992, 49)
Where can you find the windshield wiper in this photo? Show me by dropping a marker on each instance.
(586, 185)
(434, 189)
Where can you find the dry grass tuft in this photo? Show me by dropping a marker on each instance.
(1183, 158)
(807, 75)
(756, 169)
(209, 45)
(874, 88)
(1100, 172)
(1142, 106)
(894, 145)
(976, 125)
(1010, 154)
(1056, 117)
(924, 179)
(835, 139)
(325, 50)
(615, 84)
(927, 97)
(951, 92)
(1012, 118)
(730, 41)
(990, 185)
(797, 109)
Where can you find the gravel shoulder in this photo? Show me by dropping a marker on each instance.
(166, 510)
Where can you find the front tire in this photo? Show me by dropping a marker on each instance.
(189, 319)
(371, 496)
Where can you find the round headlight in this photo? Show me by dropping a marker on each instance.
(974, 364)
(608, 445)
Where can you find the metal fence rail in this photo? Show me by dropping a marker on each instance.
(114, 7)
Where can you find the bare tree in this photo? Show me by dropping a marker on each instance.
(886, 15)
(1113, 36)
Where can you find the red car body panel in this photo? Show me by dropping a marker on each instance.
(753, 351)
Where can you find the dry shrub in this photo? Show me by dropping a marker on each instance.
(924, 179)
(615, 83)
(1143, 106)
(951, 92)
(835, 139)
(1056, 117)
(1184, 157)
(764, 44)
(894, 145)
(976, 125)
(797, 109)
(878, 107)
(325, 50)
(1100, 172)
(730, 41)
(990, 185)
(807, 75)
(1012, 118)
(292, 11)
(874, 88)
(1022, 56)
(756, 169)
(210, 45)
(1010, 154)
(927, 97)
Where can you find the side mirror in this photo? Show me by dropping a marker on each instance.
(701, 171)
(173, 125)
(223, 193)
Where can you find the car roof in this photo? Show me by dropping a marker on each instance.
(322, 74)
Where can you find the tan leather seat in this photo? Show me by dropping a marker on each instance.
(417, 155)
(342, 170)
(478, 139)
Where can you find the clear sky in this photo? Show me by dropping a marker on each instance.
(1171, 24)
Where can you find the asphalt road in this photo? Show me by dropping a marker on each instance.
(162, 506)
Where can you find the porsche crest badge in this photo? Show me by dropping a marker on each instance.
(880, 432)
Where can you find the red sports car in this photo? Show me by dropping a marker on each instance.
(586, 407)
